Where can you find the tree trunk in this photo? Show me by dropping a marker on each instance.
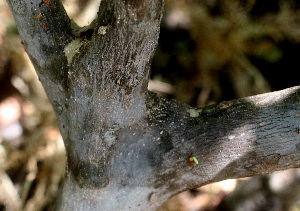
(128, 148)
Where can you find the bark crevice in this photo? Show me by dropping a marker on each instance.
(125, 144)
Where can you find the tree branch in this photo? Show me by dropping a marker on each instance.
(123, 143)
(239, 138)
(45, 31)
(108, 82)
(125, 37)
(150, 163)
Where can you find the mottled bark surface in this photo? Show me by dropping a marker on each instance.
(127, 148)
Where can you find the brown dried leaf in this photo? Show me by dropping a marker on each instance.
(39, 15)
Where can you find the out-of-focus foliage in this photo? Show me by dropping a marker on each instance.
(32, 156)
(219, 50)
(209, 51)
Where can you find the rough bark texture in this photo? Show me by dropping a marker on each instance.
(127, 148)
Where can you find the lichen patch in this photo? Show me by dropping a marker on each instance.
(102, 30)
(73, 48)
(194, 112)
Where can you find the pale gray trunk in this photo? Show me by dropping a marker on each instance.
(127, 148)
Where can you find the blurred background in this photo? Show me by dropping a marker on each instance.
(209, 51)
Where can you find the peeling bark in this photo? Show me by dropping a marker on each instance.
(128, 148)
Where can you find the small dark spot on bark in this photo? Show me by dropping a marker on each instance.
(152, 197)
(127, 179)
(156, 157)
(87, 34)
(57, 107)
(57, 65)
(90, 175)
(86, 174)
(298, 130)
(298, 146)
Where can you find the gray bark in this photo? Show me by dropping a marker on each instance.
(128, 148)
